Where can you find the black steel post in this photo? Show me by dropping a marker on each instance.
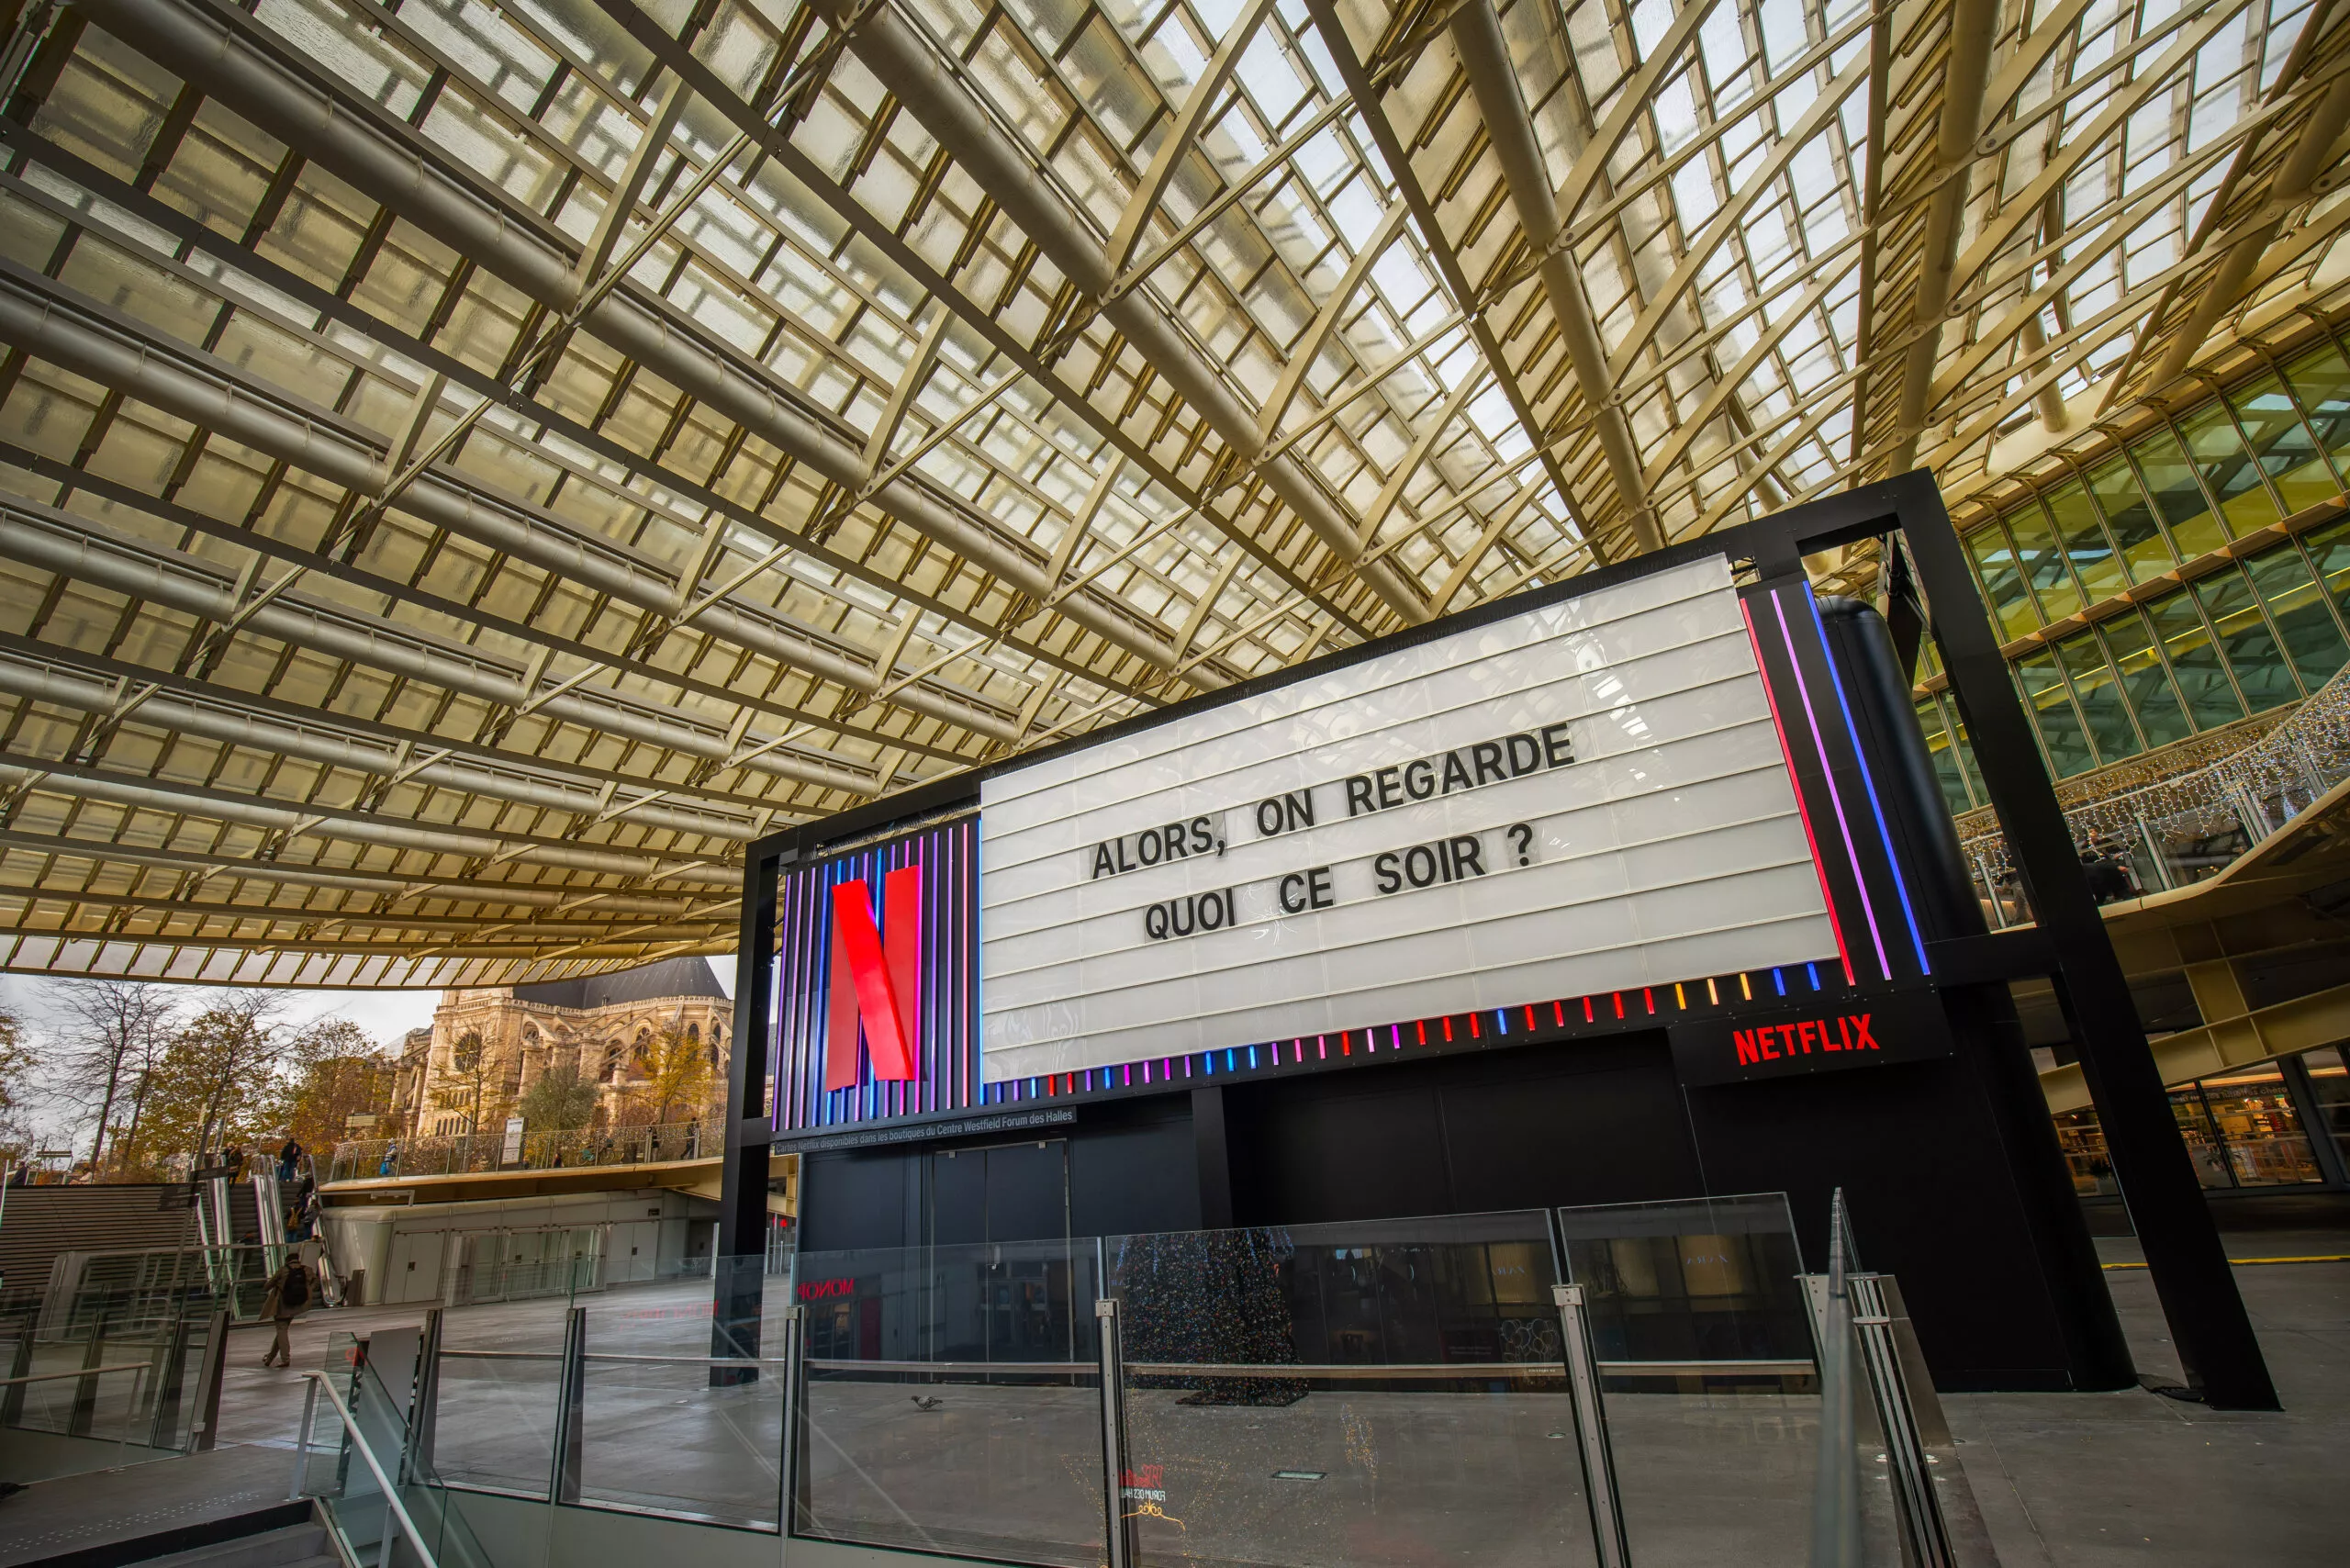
(571, 1411)
(1214, 1157)
(2189, 1269)
(737, 1288)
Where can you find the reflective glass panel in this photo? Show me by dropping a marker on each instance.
(2329, 1087)
(2328, 549)
(1381, 1392)
(2302, 614)
(2177, 494)
(2042, 562)
(2229, 470)
(1704, 1339)
(2062, 735)
(2262, 674)
(1944, 755)
(2095, 564)
(2322, 381)
(2145, 684)
(2003, 582)
(953, 1400)
(2202, 1139)
(2104, 704)
(2130, 518)
(1965, 750)
(500, 1377)
(2203, 684)
(681, 1392)
(2283, 445)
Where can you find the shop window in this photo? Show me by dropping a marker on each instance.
(2003, 589)
(2302, 617)
(2265, 1144)
(2201, 1138)
(2240, 1128)
(2042, 561)
(2322, 381)
(2178, 495)
(2104, 705)
(2286, 452)
(1944, 755)
(2146, 683)
(2203, 684)
(2129, 519)
(2083, 1141)
(2062, 735)
(2229, 472)
(2093, 563)
(2262, 675)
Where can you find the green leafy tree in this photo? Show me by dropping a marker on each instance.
(561, 1101)
(347, 1079)
(229, 1075)
(673, 1078)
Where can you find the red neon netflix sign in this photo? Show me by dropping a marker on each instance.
(877, 979)
(1849, 1033)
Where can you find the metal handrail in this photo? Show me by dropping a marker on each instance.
(319, 1384)
(1432, 1370)
(78, 1372)
(611, 1356)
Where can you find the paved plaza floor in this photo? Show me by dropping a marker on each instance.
(1472, 1473)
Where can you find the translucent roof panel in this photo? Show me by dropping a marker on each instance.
(466, 470)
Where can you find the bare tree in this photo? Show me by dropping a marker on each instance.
(110, 1040)
(233, 1072)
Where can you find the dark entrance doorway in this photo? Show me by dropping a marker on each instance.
(999, 1223)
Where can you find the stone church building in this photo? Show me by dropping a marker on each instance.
(607, 1026)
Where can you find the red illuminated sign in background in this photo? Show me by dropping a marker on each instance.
(1852, 1030)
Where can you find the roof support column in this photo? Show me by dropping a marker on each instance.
(1477, 35)
(2227, 285)
(1964, 75)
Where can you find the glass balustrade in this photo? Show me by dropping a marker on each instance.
(1528, 1387)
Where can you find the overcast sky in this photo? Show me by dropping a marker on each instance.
(384, 1016)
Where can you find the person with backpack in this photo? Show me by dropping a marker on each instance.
(290, 1291)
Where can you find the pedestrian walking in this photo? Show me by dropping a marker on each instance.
(291, 1291)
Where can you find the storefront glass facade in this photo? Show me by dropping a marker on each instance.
(2246, 635)
(2251, 1127)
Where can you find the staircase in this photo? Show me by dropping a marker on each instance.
(38, 1222)
(303, 1545)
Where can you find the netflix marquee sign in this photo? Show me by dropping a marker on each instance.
(1852, 1030)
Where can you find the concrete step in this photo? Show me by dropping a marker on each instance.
(294, 1546)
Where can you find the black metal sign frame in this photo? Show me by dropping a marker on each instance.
(2187, 1263)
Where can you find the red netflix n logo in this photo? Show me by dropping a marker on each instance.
(877, 979)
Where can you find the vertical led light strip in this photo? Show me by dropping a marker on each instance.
(1803, 813)
(1868, 781)
(1835, 796)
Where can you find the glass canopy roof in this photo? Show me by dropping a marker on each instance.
(466, 469)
